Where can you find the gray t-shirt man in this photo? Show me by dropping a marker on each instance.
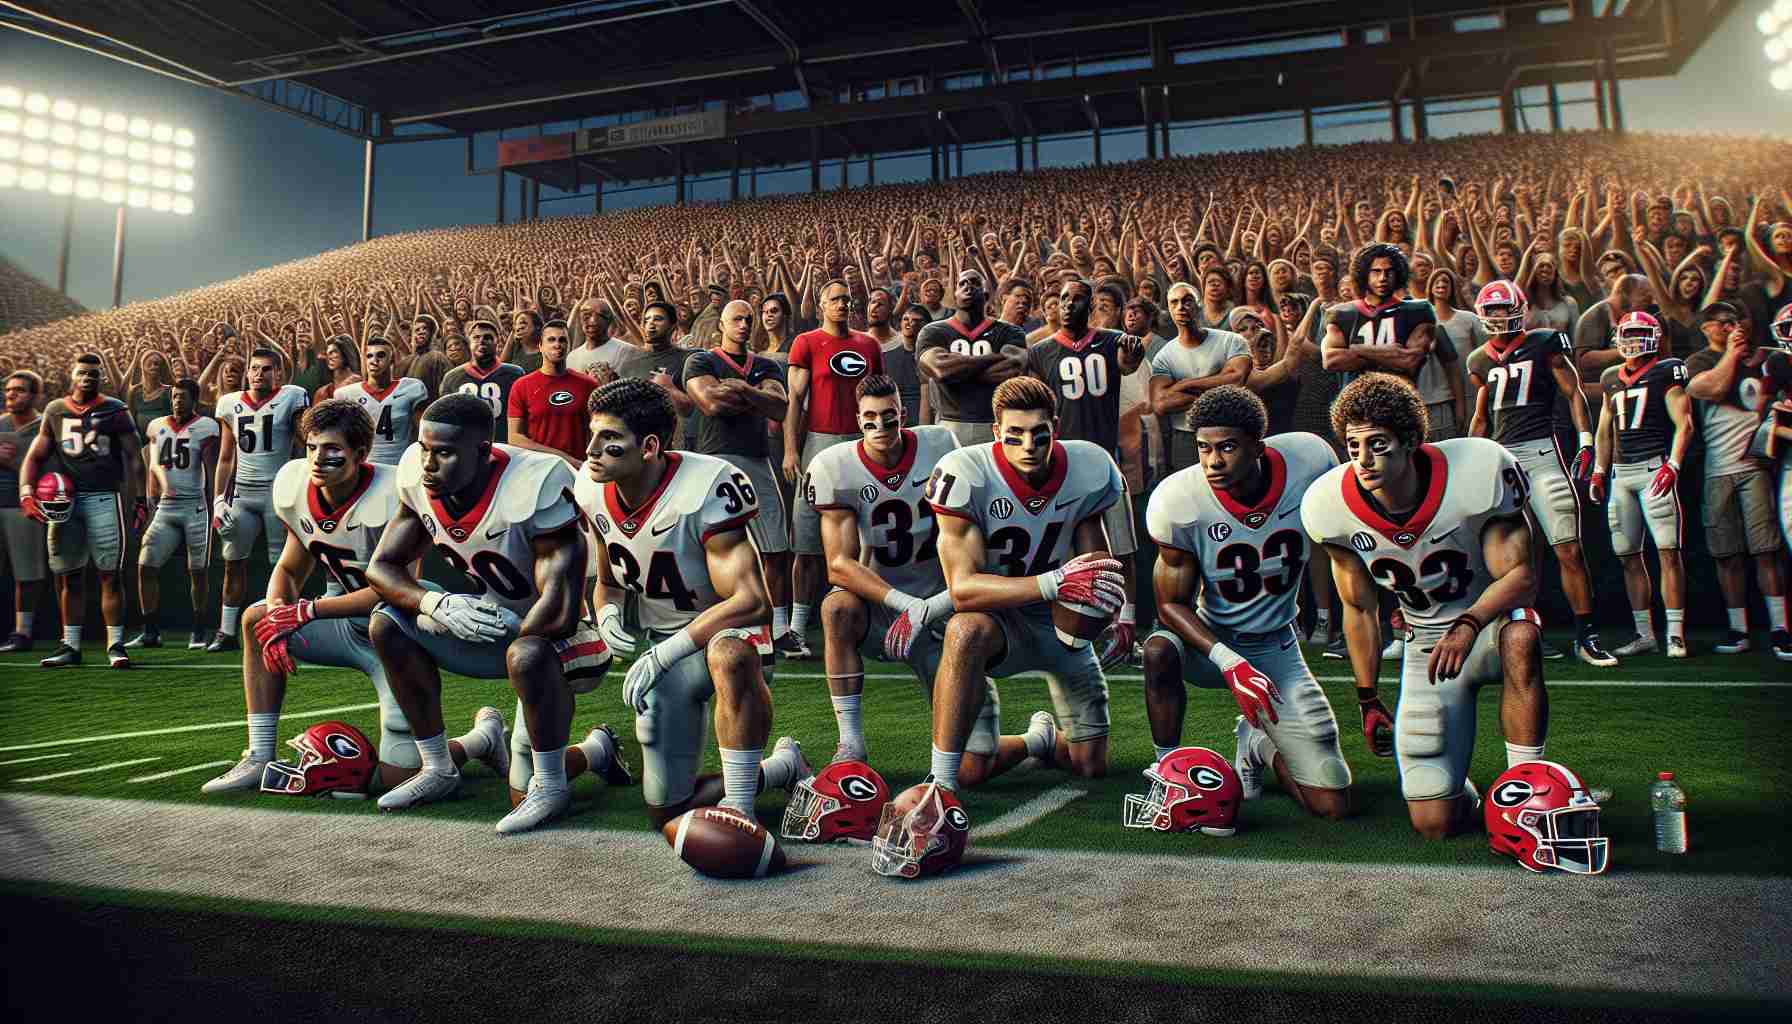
(1183, 362)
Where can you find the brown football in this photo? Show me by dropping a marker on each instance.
(722, 844)
(1079, 622)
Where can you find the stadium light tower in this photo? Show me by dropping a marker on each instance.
(77, 151)
(1775, 22)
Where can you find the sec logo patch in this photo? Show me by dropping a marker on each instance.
(868, 493)
(1219, 532)
(1001, 508)
(1362, 541)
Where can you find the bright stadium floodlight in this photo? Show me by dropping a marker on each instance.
(76, 150)
(1775, 22)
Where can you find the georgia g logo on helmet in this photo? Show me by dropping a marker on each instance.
(858, 787)
(1206, 777)
(1511, 793)
(342, 746)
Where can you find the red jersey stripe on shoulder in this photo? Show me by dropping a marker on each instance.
(725, 525)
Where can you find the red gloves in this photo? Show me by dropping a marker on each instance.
(1665, 479)
(1089, 579)
(1597, 488)
(276, 628)
(28, 505)
(1378, 727)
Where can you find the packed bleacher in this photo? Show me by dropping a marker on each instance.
(27, 302)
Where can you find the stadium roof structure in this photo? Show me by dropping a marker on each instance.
(791, 80)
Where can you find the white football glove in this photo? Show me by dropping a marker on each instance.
(609, 626)
(466, 617)
(913, 617)
(645, 672)
(223, 518)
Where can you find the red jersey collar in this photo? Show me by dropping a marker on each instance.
(459, 529)
(740, 368)
(81, 410)
(629, 522)
(1498, 352)
(1033, 499)
(1406, 534)
(247, 397)
(891, 476)
(1629, 378)
(181, 425)
(1368, 310)
(1254, 516)
(1074, 344)
(327, 521)
(379, 396)
(476, 373)
(971, 332)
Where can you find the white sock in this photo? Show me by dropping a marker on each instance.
(598, 749)
(1677, 623)
(476, 742)
(550, 768)
(1738, 619)
(71, 635)
(262, 727)
(1163, 752)
(1035, 739)
(779, 770)
(1261, 747)
(849, 720)
(1518, 753)
(227, 621)
(434, 751)
(1322, 621)
(1645, 626)
(740, 778)
(114, 636)
(1776, 614)
(799, 616)
(22, 622)
(780, 621)
(945, 767)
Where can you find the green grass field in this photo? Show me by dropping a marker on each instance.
(1724, 733)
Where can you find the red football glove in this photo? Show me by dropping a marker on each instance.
(1378, 727)
(902, 632)
(28, 505)
(139, 515)
(1088, 579)
(1255, 692)
(1583, 464)
(1596, 488)
(1665, 479)
(1120, 640)
(274, 630)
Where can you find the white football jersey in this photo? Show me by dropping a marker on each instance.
(1027, 531)
(897, 536)
(528, 494)
(342, 539)
(656, 550)
(263, 430)
(1432, 561)
(1251, 558)
(177, 454)
(394, 412)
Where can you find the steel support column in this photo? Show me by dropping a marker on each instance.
(597, 196)
(68, 232)
(1306, 124)
(367, 193)
(678, 189)
(1164, 124)
(118, 259)
(1612, 91)
(499, 177)
(1150, 124)
(1555, 109)
(871, 167)
(1599, 98)
(815, 159)
(734, 175)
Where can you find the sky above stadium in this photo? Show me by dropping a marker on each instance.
(273, 188)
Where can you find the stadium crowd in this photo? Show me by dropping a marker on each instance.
(27, 302)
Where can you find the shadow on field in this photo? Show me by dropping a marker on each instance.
(74, 959)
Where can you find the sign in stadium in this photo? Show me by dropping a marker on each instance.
(704, 124)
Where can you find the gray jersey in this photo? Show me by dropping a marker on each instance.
(1251, 558)
(897, 534)
(178, 454)
(342, 539)
(395, 413)
(262, 431)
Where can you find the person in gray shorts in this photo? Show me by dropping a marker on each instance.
(24, 554)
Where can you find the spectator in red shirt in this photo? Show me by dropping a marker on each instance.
(547, 408)
(826, 364)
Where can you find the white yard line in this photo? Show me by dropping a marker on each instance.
(40, 757)
(90, 771)
(1026, 814)
(141, 667)
(237, 723)
(1135, 677)
(180, 771)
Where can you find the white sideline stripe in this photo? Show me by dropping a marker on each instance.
(233, 723)
(40, 757)
(180, 771)
(90, 771)
(140, 667)
(1026, 814)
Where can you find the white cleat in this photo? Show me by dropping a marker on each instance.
(421, 788)
(243, 778)
(539, 807)
(1677, 648)
(1640, 645)
(789, 745)
(847, 752)
(490, 721)
(1394, 651)
(1045, 723)
(1249, 767)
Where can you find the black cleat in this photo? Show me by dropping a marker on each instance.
(795, 646)
(63, 657)
(200, 639)
(18, 643)
(616, 772)
(147, 638)
(118, 657)
(1781, 642)
(222, 643)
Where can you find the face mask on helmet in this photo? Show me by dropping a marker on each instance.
(56, 497)
(1782, 329)
(923, 832)
(334, 758)
(1637, 338)
(844, 801)
(1501, 308)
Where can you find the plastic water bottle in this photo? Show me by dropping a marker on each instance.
(1668, 801)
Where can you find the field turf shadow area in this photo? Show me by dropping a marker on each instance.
(69, 957)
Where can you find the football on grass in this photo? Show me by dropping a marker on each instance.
(722, 844)
(1078, 624)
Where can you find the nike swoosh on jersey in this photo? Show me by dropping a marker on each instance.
(1434, 538)
(495, 534)
(1062, 505)
(1284, 515)
(662, 529)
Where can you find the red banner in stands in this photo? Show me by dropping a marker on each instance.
(534, 150)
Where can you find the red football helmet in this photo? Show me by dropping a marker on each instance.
(55, 495)
(1782, 327)
(1540, 814)
(1638, 335)
(1192, 789)
(845, 800)
(334, 757)
(922, 832)
(1501, 295)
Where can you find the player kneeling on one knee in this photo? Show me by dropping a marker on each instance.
(1445, 527)
(1228, 528)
